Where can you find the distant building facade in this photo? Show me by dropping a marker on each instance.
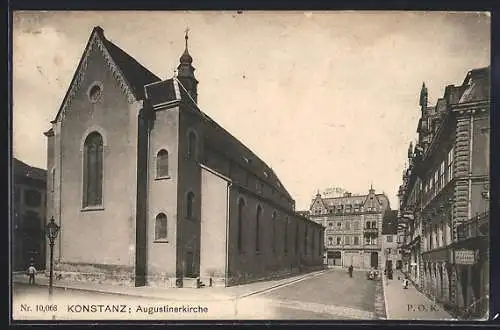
(390, 254)
(444, 199)
(149, 190)
(28, 215)
(353, 228)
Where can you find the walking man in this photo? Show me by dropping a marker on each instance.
(405, 282)
(350, 269)
(31, 273)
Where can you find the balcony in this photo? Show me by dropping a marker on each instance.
(370, 231)
(475, 227)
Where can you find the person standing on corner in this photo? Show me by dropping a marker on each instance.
(350, 270)
(31, 273)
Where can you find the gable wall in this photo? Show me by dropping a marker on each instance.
(103, 236)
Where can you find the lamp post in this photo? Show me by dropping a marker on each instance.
(51, 229)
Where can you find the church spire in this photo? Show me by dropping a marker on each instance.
(186, 58)
(185, 70)
(423, 96)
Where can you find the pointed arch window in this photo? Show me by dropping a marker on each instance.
(92, 170)
(285, 247)
(241, 207)
(305, 239)
(191, 150)
(53, 179)
(296, 238)
(161, 227)
(257, 228)
(274, 231)
(162, 164)
(190, 205)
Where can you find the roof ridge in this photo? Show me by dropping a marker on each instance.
(129, 57)
(238, 143)
(124, 71)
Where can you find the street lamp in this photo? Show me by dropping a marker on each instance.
(51, 229)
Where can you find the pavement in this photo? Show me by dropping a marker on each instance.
(173, 294)
(327, 295)
(410, 304)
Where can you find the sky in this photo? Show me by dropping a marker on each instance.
(326, 99)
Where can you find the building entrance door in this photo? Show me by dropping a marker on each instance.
(374, 260)
(334, 258)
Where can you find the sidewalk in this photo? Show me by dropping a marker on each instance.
(173, 294)
(410, 304)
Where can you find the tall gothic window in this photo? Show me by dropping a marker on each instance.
(274, 231)
(296, 238)
(305, 239)
(161, 227)
(53, 179)
(257, 228)
(313, 249)
(241, 206)
(191, 145)
(162, 163)
(92, 170)
(285, 247)
(190, 205)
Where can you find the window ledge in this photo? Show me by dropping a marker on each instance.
(92, 208)
(190, 218)
(160, 241)
(166, 177)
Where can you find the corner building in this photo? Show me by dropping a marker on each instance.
(149, 190)
(353, 228)
(444, 198)
(28, 216)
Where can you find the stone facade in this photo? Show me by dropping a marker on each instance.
(353, 228)
(390, 253)
(169, 179)
(444, 188)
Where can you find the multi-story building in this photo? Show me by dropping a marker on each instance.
(28, 215)
(353, 228)
(390, 254)
(149, 190)
(444, 197)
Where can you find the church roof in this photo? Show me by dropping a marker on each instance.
(21, 169)
(144, 83)
(224, 142)
(135, 73)
(215, 136)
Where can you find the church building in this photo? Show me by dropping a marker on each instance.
(149, 190)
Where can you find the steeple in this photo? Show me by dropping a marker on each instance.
(371, 191)
(423, 96)
(185, 71)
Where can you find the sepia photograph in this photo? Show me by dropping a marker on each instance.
(250, 165)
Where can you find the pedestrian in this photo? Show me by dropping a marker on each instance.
(405, 282)
(31, 273)
(350, 269)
